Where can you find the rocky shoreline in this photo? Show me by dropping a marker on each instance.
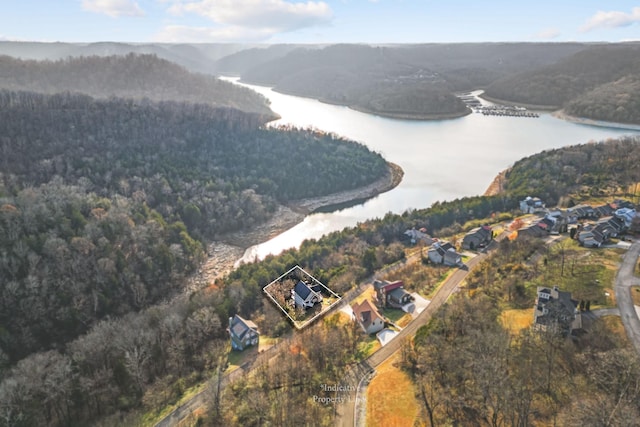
(223, 253)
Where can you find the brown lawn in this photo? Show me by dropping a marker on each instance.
(390, 397)
(515, 320)
(615, 327)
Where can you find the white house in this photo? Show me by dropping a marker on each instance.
(305, 295)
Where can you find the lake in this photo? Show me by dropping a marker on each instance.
(442, 159)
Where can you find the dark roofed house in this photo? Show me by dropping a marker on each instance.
(305, 295)
(243, 333)
(532, 231)
(367, 315)
(604, 210)
(591, 237)
(554, 310)
(477, 238)
(391, 294)
(444, 253)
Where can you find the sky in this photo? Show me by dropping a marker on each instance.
(319, 21)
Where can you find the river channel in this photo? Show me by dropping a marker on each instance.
(442, 159)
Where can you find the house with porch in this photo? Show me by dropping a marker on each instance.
(243, 333)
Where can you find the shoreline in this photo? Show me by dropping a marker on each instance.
(223, 253)
(387, 115)
(560, 114)
(518, 104)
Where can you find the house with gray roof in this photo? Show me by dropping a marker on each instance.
(444, 253)
(243, 333)
(477, 238)
(554, 310)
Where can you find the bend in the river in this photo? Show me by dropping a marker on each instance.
(441, 159)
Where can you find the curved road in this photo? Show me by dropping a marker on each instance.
(346, 413)
(625, 279)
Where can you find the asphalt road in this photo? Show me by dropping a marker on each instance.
(346, 413)
(624, 280)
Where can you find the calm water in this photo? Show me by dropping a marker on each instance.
(442, 160)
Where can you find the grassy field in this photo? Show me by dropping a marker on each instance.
(616, 328)
(515, 320)
(390, 397)
(368, 346)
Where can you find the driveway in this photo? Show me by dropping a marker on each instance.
(625, 279)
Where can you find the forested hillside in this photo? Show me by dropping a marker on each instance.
(412, 81)
(592, 83)
(104, 202)
(130, 76)
(593, 169)
(618, 101)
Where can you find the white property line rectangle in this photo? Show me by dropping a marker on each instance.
(296, 323)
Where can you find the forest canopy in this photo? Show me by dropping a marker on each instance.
(104, 203)
(127, 76)
(599, 83)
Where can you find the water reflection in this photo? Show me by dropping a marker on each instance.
(442, 160)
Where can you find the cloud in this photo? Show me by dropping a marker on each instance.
(186, 34)
(113, 8)
(266, 16)
(612, 19)
(548, 34)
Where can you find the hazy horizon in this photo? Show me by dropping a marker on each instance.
(318, 22)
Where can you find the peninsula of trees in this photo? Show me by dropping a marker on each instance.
(105, 204)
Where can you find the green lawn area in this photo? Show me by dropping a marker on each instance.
(368, 346)
(237, 358)
(397, 316)
(151, 417)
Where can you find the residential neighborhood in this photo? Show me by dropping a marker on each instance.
(591, 226)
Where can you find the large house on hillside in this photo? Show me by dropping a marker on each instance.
(444, 253)
(243, 333)
(306, 295)
(477, 238)
(554, 310)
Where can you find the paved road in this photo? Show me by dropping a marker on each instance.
(346, 413)
(624, 280)
(201, 399)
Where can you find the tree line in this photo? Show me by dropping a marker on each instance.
(595, 169)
